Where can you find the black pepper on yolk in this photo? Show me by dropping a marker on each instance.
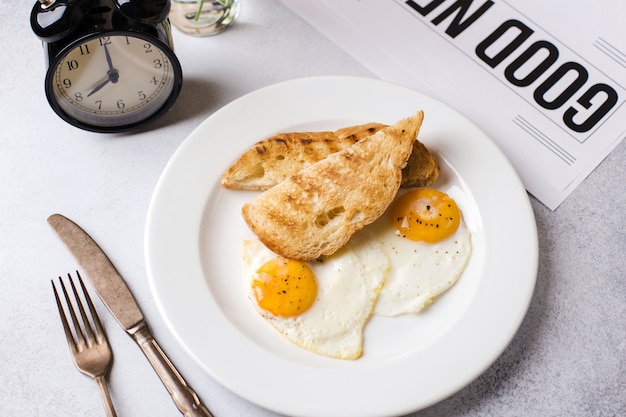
(285, 287)
(426, 215)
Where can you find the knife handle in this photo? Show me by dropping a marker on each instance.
(184, 397)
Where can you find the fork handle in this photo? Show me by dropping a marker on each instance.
(184, 397)
(106, 397)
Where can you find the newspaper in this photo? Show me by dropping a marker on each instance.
(545, 80)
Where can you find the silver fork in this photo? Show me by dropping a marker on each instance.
(88, 344)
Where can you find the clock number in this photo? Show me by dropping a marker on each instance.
(142, 95)
(157, 63)
(72, 64)
(147, 47)
(99, 104)
(84, 49)
(78, 97)
(154, 81)
(105, 41)
(120, 104)
(67, 83)
(127, 40)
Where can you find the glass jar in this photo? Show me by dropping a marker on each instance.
(203, 17)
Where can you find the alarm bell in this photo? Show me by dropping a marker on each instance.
(146, 11)
(52, 20)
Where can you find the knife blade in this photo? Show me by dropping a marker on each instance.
(117, 297)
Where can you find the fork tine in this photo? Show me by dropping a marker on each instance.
(66, 326)
(80, 338)
(89, 336)
(92, 311)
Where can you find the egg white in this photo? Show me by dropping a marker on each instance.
(349, 283)
(420, 271)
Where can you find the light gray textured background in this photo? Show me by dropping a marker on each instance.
(568, 358)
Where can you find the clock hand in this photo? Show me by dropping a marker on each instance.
(112, 73)
(106, 52)
(112, 77)
(99, 86)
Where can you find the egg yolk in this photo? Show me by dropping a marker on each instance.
(285, 287)
(426, 215)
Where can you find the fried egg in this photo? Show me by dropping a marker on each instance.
(428, 247)
(398, 265)
(321, 305)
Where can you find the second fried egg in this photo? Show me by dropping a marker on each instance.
(428, 250)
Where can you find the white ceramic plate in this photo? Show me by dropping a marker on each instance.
(194, 232)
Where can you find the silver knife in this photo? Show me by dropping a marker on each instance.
(116, 295)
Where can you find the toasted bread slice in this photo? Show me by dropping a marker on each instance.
(317, 210)
(278, 157)
(421, 169)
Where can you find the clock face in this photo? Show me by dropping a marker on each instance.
(113, 81)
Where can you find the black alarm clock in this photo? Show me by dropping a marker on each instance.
(111, 66)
